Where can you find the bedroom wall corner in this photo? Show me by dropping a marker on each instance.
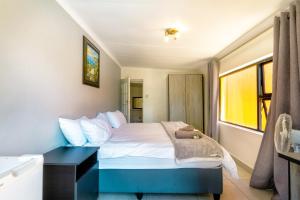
(41, 76)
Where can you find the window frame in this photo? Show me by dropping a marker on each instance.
(261, 95)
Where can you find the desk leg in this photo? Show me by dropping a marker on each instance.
(289, 172)
(294, 181)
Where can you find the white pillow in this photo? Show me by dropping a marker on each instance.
(103, 117)
(95, 130)
(116, 118)
(72, 131)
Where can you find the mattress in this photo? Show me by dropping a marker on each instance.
(147, 146)
(144, 146)
(153, 163)
(138, 140)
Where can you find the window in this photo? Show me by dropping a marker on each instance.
(245, 95)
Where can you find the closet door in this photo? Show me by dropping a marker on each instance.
(177, 97)
(194, 100)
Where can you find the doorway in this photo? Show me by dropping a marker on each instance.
(132, 99)
(136, 99)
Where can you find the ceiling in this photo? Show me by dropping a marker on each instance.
(132, 31)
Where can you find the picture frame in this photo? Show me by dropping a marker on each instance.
(137, 102)
(91, 64)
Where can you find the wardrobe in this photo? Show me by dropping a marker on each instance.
(186, 99)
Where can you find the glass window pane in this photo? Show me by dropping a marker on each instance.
(238, 95)
(268, 69)
(264, 112)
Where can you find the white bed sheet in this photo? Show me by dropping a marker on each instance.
(138, 140)
(147, 146)
(153, 163)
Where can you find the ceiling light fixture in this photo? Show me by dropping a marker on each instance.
(171, 34)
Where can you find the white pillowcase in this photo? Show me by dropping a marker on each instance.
(95, 130)
(103, 117)
(72, 131)
(116, 118)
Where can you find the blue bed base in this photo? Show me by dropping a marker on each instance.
(179, 181)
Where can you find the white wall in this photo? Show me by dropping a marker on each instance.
(41, 76)
(260, 46)
(155, 97)
(243, 143)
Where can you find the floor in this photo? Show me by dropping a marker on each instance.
(233, 190)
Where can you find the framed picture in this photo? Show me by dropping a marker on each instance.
(137, 102)
(91, 64)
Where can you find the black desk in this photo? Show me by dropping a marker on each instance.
(291, 157)
(71, 173)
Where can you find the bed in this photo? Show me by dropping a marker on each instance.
(139, 158)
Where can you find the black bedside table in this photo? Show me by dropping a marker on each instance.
(71, 173)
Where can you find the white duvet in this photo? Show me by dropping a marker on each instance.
(138, 139)
(149, 140)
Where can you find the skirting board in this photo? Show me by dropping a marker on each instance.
(242, 164)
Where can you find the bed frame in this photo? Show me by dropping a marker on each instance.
(175, 181)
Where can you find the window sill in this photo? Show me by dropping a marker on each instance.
(241, 128)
